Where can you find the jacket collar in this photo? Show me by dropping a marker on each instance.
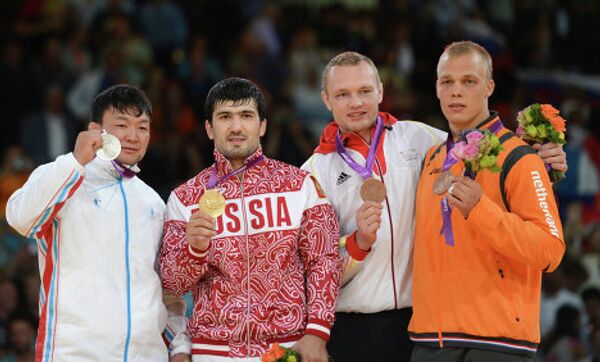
(488, 121)
(223, 164)
(105, 170)
(350, 139)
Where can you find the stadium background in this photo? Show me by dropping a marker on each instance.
(55, 55)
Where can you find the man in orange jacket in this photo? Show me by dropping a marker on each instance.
(478, 297)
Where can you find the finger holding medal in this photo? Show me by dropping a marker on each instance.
(200, 229)
(464, 194)
(368, 220)
(86, 145)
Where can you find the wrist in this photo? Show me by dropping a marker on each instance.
(354, 250)
(361, 243)
(315, 338)
(198, 246)
(197, 253)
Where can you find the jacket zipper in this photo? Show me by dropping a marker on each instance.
(247, 263)
(387, 203)
(128, 274)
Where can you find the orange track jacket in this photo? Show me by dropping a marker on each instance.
(484, 292)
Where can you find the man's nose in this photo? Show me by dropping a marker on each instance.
(356, 100)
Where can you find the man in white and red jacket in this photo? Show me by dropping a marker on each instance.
(267, 269)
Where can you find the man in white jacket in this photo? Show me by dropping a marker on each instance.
(98, 228)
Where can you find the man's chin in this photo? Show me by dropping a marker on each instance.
(128, 161)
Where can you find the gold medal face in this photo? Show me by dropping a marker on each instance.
(212, 203)
(373, 190)
(442, 183)
(111, 147)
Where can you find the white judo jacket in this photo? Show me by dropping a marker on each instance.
(98, 236)
(381, 279)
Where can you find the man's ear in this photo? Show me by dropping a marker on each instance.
(263, 127)
(209, 130)
(94, 126)
(490, 87)
(325, 99)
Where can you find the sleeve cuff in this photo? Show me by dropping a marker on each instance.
(196, 253)
(181, 344)
(354, 250)
(79, 167)
(318, 328)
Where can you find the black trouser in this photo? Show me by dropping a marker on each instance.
(376, 337)
(426, 354)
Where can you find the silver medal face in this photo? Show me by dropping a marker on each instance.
(111, 147)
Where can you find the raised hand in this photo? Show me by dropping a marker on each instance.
(464, 194)
(552, 154)
(368, 220)
(86, 145)
(199, 230)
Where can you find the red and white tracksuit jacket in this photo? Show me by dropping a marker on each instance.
(271, 274)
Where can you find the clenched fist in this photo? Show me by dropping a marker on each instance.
(86, 145)
(464, 194)
(368, 220)
(199, 230)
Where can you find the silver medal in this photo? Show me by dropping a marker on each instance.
(111, 147)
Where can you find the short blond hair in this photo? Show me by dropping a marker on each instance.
(348, 59)
(467, 47)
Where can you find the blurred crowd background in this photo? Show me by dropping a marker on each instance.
(56, 55)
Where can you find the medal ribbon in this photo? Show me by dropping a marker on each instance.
(213, 181)
(366, 170)
(445, 207)
(122, 170)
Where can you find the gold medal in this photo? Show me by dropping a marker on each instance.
(442, 183)
(373, 190)
(212, 203)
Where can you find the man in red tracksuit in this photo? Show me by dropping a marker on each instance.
(267, 268)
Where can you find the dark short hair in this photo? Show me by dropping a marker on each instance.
(237, 90)
(124, 98)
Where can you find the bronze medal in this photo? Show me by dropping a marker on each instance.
(212, 203)
(442, 183)
(372, 190)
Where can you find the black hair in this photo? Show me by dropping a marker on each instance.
(238, 90)
(124, 98)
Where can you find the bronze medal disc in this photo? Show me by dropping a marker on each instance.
(212, 203)
(442, 183)
(372, 190)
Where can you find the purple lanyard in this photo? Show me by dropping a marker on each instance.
(213, 181)
(122, 170)
(366, 170)
(448, 162)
